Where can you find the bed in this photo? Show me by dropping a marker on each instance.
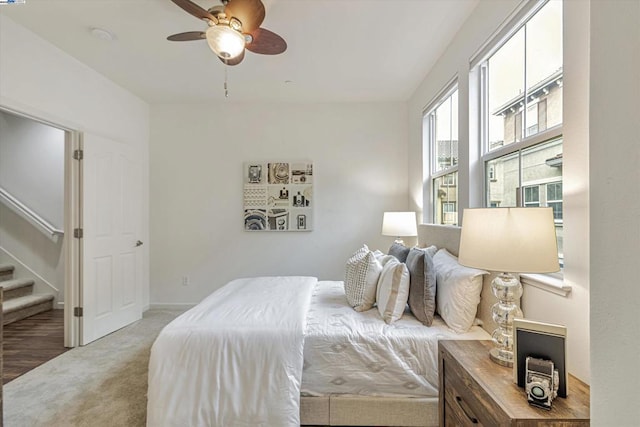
(306, 371)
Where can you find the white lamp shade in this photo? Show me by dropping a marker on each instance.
(511, 240)
(226, 42)
(399, 224)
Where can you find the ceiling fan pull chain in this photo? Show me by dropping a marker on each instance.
(226, 91)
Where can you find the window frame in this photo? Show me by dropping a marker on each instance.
(479, 64)
(429, 142)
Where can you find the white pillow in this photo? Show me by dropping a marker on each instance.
(361, 279)
(393, 289)
(458, 291)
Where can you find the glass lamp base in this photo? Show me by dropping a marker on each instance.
(507, 289)
(501, 357)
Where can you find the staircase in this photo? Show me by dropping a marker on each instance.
(19, 300)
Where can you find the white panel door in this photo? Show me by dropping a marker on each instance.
(111, 275)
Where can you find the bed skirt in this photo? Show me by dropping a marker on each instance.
(368, 411)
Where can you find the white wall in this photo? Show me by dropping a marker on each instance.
(32, 165)
(32, 170)
(38, 79)
(615, 211)
(488, 16)
(359, 154)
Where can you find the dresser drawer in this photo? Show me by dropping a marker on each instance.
(468, 403)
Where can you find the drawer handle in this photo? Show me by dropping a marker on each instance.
(466, 410)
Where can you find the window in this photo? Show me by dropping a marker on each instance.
(521, 115)
(532, 196)
(554, 199)
(523, 81)
(449, 213)
(449, 180)
(441, 141)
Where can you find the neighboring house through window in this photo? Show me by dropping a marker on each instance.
(440, 127)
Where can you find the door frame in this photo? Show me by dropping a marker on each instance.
(72, 245)
(73, 216)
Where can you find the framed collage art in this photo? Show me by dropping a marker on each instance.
(278, 196)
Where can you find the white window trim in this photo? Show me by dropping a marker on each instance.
(553, 283)
(508, 28)
(429, 173)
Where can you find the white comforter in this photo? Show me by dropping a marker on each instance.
(357, 353)
(233, 360)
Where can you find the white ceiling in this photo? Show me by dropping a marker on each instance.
(338, 50)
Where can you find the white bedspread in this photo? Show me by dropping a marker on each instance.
(233, 360)
(357, 353)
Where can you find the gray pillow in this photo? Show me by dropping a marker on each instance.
(399, 251)
(422, 285)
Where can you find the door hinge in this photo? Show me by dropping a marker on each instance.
(78, 154)
(77, 311)
(78, 233)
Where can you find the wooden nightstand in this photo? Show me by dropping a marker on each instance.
(476, 391)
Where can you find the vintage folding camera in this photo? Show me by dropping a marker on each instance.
(541, 382)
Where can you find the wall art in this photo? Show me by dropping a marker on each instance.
(278, 196)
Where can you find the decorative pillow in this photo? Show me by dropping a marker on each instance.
(393, 289)
(399, 251)
(431, 250)
(361, 279)
(422, 288)
(458, 291)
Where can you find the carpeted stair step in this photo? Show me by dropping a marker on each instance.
(22, 307)
(16, 288)
(6, 272)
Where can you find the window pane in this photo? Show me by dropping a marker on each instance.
(544, 43)
(554, 199)
(445, 118)
(527, 69)
(544, 68)
(503, 181)
(532, 196)
(542, 162)
(445, 196)
(506, 86)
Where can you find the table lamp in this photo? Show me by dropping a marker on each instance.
(508, 240)
(399, 224)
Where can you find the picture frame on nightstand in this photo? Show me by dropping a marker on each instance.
(546, 341)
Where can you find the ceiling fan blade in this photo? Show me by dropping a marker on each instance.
(188, 36)
(266, 42)
(235, 61)
(249, 12)
(195, 10)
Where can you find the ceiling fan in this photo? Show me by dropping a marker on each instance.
(233, 26)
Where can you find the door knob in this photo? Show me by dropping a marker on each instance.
(138, 243)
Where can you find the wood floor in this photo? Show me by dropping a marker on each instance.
(30, 342)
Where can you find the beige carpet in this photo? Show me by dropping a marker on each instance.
(101, 384)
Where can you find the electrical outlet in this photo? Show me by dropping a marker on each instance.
(185, 280)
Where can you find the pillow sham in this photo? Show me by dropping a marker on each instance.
(457, 291)
(361, 279)
(431, 250)
(393, 289)
(399, 251)
(422, 285)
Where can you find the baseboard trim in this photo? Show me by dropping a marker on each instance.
(171, 306)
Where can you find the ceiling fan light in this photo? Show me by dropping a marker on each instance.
(225, 42)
